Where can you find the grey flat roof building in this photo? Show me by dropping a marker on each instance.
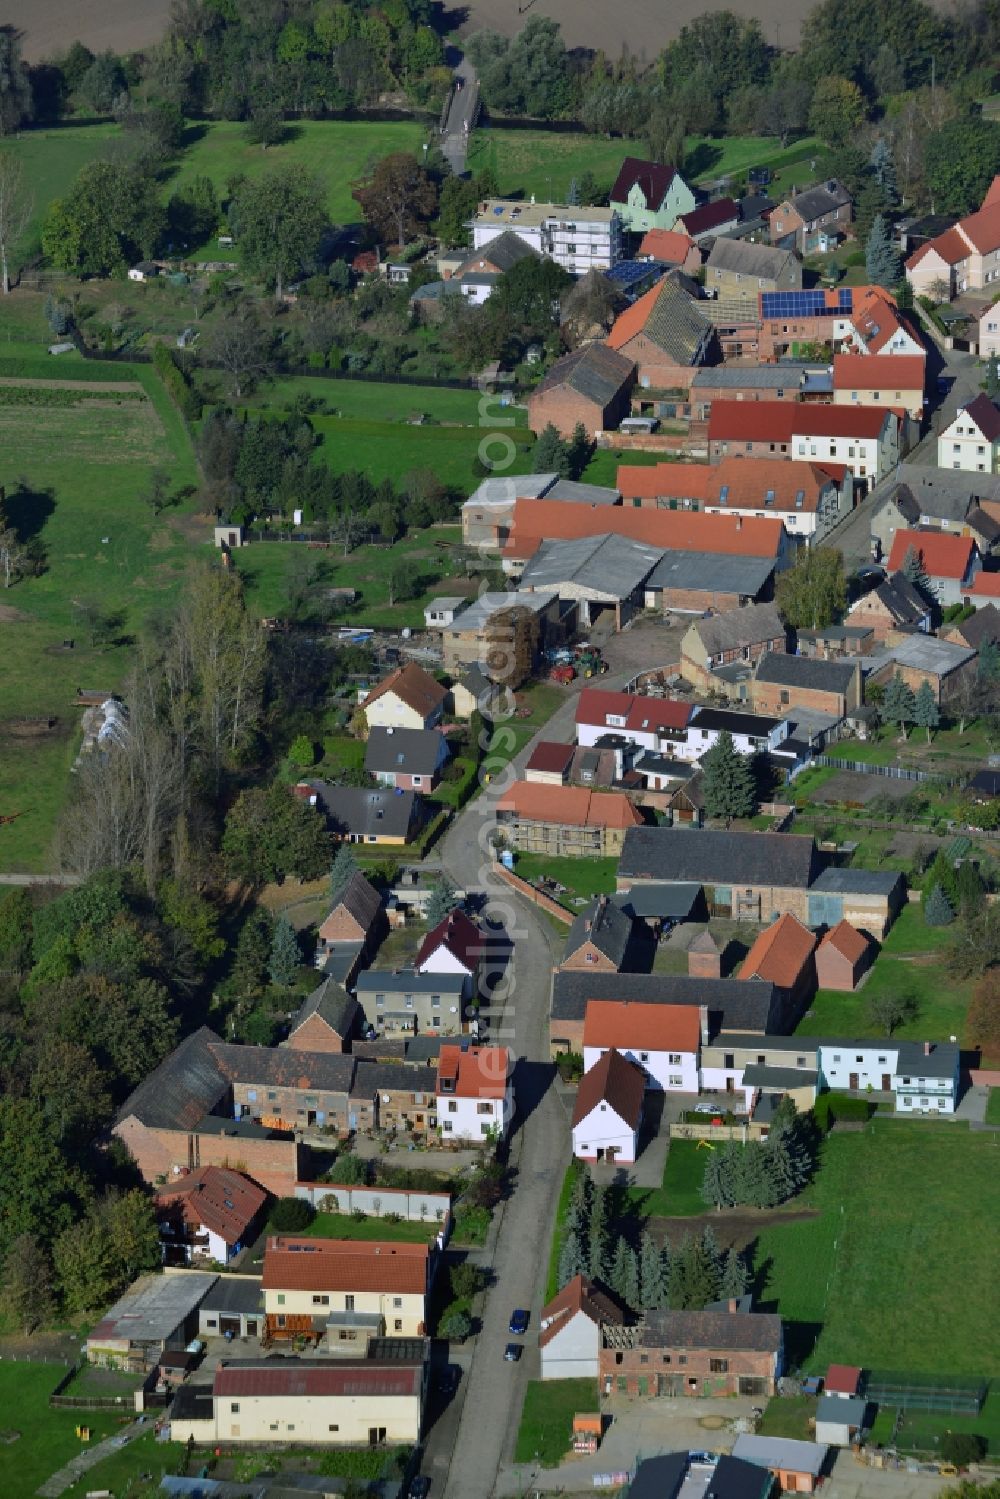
(718, 857)
(611, 565)
(702, 571)
(782, 1452)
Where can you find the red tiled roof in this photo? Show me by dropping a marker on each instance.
(987, 585)
(551, 757)
(416, 687)
(478, 1072)
(880, 372)
(578, 1295)
(459, 935)
(984, 413)
(780, 953)
(992, 193)
(302, 1264)
(594, 705)
(643, 481)
(571, 806)
(677, 531)
(840, 421)
(842, 1379)
(668, 245)
(943, 555)
(750, 483)
(631, 1023)
(634, 318)
(709, 216)
(652, 177)
(319, 1377)
(847, 940)
(757, 421)
(613, 1080)
(982, 229)
(950, 245)
(217, 1198)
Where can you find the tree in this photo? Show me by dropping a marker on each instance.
(133, 1233)
(286, 955)
(963, 1448)
(26, 1289)
(913, 568)
(443, 900)
(888, 1011)
(302, 752)
(279, 220)
(982, 1023)
(991, 378)
(715, 1186)
(882, 263)
(266, 125)
(598, 1228)
(937, 910)
(623, 1269)
(572, 1257)
(40, 1193)
(403, 581)
(467, 1280)
(975, 944)
(398, 198)
(103, 83)
(813, 593)
(240, 346)
(455, 1325)
(727, 781)
(270, 834)
(883, 167)
(15, 83)
(837, 110)
(456, 206)
(111, 217)
(550, 455)
(926, 714)
(290, 1215)
(652, 1274)
(960, 161)
(16, 206)
(694, 1273)
(899, 703)
(579, 451)
(343, 867)
(735, 1277)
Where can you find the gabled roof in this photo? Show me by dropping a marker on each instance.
(359, 898)
(653, 178)
(605, 926)
(900, 598)
(738, 628)
(982, 229)
(986, 585)
(225, 1201)
(942, 554)
(983, 413)
(303, 1264)
(286, 1067)
(707, 570)
(570, 806)
(383, 811)
(759, 1332)
(550, 757)
(321, 1379)
(331, 1003)
(581, 1294)
(609, 565)
(780, 953)
(929, 654)
(784, 670)
(504, 251)
(414, 686)
(407, 751)
(982, 628)
(719, 857)
(185, 1086)
(881, 372)
(459, 935)
(668, 317)
(813, 202)
(847, 940)
(763, 262)
(952, 247)
(733, 1004)
(669, 246)
(680, 531)
(842, 1379)
(732, 1478)
(596, 704)
(475, 1071)
(594, 371)
(615, 1081)
(709, 216)
(651, 1027)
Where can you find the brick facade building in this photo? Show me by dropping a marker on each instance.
(708, 1353)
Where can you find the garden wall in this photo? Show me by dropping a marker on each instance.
(535, 896)
(379, 1202)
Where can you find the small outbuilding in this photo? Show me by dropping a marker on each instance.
(230, 536)
(146, 270)
(840, 1420)
(796, 1465)
(843, 958)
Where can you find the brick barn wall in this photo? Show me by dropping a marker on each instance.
(316, 1035)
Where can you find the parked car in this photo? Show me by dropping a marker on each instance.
(707, 1108)
(420, 1486)
(703, 1457)
(519, 1322)
(512, 1353)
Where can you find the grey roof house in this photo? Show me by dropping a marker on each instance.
(403, 1000)
(407, 758)
(359, 815)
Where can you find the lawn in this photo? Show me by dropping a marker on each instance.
(901, 1208)
(574, 1171)
(86, 466)
(921, 1431)
(346, 1226)
(338, 152)
(680, 1195)
(582, 877)
(993, 1107)
(544, 162)
(546, 1428)
(941, 1002)
(910, 934)
(122, 1469)
(50, 160)
(788, 1417)
(371, 400)
(390, 449)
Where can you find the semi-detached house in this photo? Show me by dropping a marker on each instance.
(971, 439)
(663, 1040)
(475, 1098)
(895, 380)
(965, 257)
(949, 562)
(314, 1288)
(865, 440)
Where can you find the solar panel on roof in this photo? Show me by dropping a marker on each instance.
(804, 303)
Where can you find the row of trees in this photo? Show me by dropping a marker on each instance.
(763, 1173)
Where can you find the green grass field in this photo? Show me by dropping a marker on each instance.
(574, 1171)
(941, 1002)
(50, 160)
(86, 467)
(910, 934)
(543, 1436)
(921, 1431)
(901, 1213)
(586, 877)
(680, 1195)
(375, 401)
(390, 449)
(346, 1226)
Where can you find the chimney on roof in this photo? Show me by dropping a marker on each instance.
(587, 924)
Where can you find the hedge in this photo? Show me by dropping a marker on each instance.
(178, 386)
(832, 1108)
(456, 793)
(58, 395)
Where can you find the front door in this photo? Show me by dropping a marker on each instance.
(854, 1081)
(730, 1085)
(886, 1083)
(251, 1327)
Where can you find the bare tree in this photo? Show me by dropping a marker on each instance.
(16, 205)
(13, 556)
(240, 345)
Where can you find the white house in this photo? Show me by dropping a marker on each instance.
(442, 611)
(751, 733)
(408, 698)
(580, 239)
(922, 1076)
(971, 439)
(209, 1214)
(864, 438)
(475, 1097)
(455, 946)
(569, 1339)
(989, 332)
(647, 722)
(663, 1040)
(608, 1111)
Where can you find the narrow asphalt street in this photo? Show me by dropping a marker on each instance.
(461, 116)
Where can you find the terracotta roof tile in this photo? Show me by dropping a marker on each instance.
(223, 1200)
(986, 585)
(652, 1027)
(842, 1379)
(595, 704)
(668, 245)
(943, 555)
(475, 1072)
(571, 806)
(579, 1295)
(847, 940)
(613, 1080)
(303, 1264)
(886, 372)
(780, 953)
(416, 687)
(677, 531)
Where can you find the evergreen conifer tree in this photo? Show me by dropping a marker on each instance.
(572, 1259)
(550, 454)
(926, 714)
(442, 902)
(632, 1294)
(343, 866)
(728, 784)
(937, 911)
(579, 451)
(913, 568)
(652, 1277)
(286, 955)
(735, 1277)
(619, 1268)
(899, 703)
(882, 263)
(883, 167)
(598, 1247)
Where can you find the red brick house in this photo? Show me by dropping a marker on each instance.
(783, 681)
(843, 957)
(783, 956)
(706, 1353)
(356, 917)
(327, 1020)
(592, 386)
(664, 335)
(893, 608)
(210, 1214)
(599, 938)
(814, 219)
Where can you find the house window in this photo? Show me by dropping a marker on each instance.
(435, 1001)
(397, 1302)
(379, 1000)
(447, 1126)
(321, 1301)
(674, 1059)
(234, 1407)
(682, 1358)
(452, 1107)
(484, 1108)
(644, 1358)
(349, 1303)
(333, 1428)
(675, 1082)
(644, 1056)
(418, 780)
(718, 1366)
(729, 1059)
(281, 1298)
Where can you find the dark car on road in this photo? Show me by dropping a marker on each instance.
(512, 1352)
(519, 1322)
(420, 1486)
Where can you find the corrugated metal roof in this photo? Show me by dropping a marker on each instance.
(312, 1378)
